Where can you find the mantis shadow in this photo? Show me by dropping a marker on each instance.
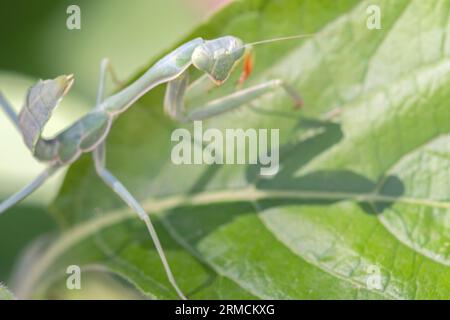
(194, 224)
(372, 196)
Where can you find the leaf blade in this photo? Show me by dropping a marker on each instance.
(333, 209)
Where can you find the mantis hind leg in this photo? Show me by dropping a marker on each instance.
(6, 106)
(112, 182)
(125, 195)
(176, 90)
(27, 190)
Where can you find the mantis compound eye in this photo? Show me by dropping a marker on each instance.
(218, 57)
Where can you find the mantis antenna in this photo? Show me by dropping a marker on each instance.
(299, 36)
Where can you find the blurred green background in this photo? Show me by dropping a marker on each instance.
(35, 43)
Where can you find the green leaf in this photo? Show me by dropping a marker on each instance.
(5, 294)
(367, 192)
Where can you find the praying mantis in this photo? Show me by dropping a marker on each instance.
(216, 58)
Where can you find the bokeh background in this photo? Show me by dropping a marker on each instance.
(36, 44)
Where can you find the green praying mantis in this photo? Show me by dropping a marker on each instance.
(216, 58)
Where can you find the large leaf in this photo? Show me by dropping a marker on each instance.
(369, 191)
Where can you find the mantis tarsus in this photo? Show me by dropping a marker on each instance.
(217, 58)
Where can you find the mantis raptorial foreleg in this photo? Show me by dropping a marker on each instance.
(240, 98)
(176, 90)
(199, 87)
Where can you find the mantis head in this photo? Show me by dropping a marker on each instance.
(219, 57)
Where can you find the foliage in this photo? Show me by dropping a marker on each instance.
(370, 188)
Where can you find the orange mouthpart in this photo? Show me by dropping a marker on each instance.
(248, 68)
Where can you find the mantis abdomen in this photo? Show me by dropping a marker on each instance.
(83, 136)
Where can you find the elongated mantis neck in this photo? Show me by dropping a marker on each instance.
(166, 69)
(122, 100)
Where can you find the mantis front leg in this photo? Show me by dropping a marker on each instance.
(174, 103)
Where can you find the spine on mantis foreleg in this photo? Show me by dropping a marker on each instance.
(174, 98)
